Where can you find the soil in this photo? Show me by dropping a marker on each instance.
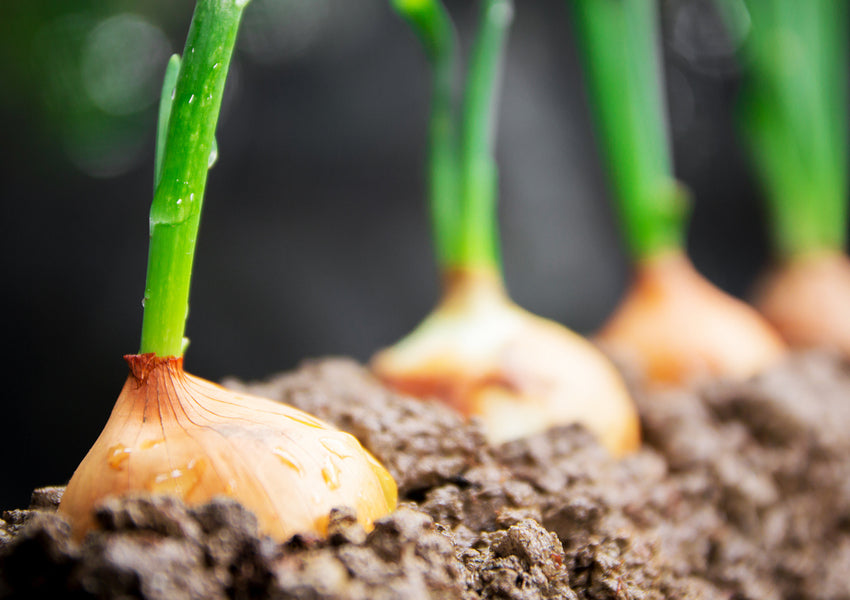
(741, 491)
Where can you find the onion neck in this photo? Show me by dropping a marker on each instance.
(146, 366)
(813, 256)
(667, 260)
(469, 288)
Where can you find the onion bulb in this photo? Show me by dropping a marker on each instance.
(676, 327)
(519, 373)
(173, 433)
(807, 299)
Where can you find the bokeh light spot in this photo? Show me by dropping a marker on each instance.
(122, 64)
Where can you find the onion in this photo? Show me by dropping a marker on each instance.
(677, 327)
(173, 433)
(808, 300)
(517, 372)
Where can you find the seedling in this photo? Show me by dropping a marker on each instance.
(673, 323)
(793, 114)
(171, 432)
(478, 351)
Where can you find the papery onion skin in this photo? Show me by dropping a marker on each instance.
(678, 328)
(520, 374)
(807, 299)
(171, 432)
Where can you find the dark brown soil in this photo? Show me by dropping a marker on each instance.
(741, 491)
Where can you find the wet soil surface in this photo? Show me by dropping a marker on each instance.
(741, 491)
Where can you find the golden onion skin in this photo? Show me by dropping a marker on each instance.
(519, 373)
(173, 433)
(678, 328)
(807, 299)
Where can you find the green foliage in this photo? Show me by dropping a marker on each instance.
(462, 172)
(793, 112)
(188, 128)
(622, 63)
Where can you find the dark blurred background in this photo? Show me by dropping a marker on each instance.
(314, 238)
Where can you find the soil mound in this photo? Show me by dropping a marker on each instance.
(740, 491)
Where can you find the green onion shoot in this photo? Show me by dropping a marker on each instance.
(173, 433)
(477, 350)
(793, 116)
(673, 324)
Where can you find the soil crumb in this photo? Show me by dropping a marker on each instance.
(741, 490)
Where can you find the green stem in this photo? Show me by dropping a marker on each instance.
(619, 45)
(166, 100)
(178, 197)
(433, 25)
(478, 235)
(793, 114)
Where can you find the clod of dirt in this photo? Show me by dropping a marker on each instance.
(741, 491)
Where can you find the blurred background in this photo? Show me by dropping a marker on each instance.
(314, 238)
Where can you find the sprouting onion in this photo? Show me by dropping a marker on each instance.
(673, 323)
(793, 114)
(477, 350)
(171, 432)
